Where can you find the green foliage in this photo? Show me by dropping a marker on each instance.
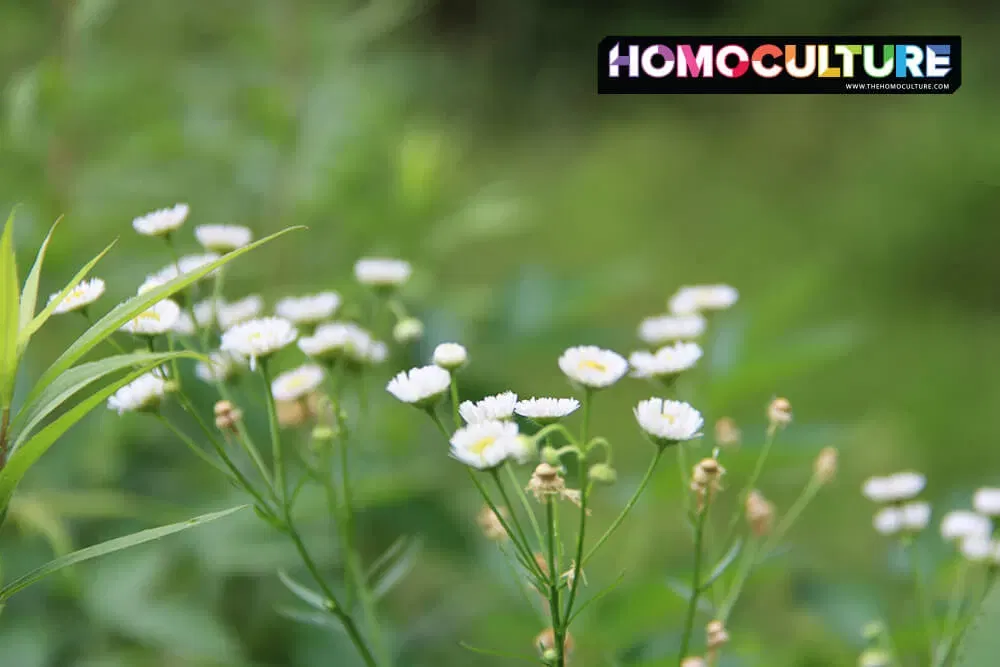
(8, 318)
(981, 644)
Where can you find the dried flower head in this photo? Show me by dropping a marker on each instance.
(292, 413)
(715, 635)
(760, 513)
(491, 525)
(227, 416)
(546, 481)
(779, 413)
(727, 433)
(705, 479)
(825, 467)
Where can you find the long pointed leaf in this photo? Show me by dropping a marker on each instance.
(29, 293)
(28, 330)
(398, 571)
(108, 547)
(319, 619)
(124, 312)
(75, 379)
(309, 596)
(8, 314)
(28, 453)
(723, 563)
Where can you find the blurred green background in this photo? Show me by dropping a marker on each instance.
(466, 137)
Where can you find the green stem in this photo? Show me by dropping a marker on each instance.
(580, 536)
(751, 484)
(956, 641)
(628, 506)
(951, 624)
(276, 451)
(454, 400)
(792, 515)
(554, 567)
(495, 474)
(526, 558)
(437, 422)
(525, 504)
(747, 563)
(695, 579)
(923, 601)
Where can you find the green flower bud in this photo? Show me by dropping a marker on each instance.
(603, 473)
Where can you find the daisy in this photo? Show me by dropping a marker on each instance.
(450, 356)
(546, 410)
(420, 386)
(162, 221)
(295, 384)
(407, 330)
(186, 264)
(308, 309)
(82, 295)
(228, 314)
(963, 523)
(336, 338)
(382, 272)
(894, 488)
(699, 298)
(669, 328)
(184, 325)
(157, 319)
(143, 393)
(491, 408)
(987, 501)
(668, 422)
(667, 362)
(259, 338)
(223, 238)
(593, 367)
(978, 548)
(220, 367)
(484, 445)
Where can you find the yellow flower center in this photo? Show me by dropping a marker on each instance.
(297, 382)
(595, 365)
(480, 445)
(149, 315)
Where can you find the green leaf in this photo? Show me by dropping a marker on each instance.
(124, 312)
(398, 571)
(684, 592)
(724, 563)
(8, 314)
(75, 379)
(28, 453)
(309, 596)
(981, 643)
(28, 330)
(29, 294)
(321, 620)
(105, 548)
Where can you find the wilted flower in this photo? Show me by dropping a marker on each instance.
(987, 501)
(546, 410)
(258, 339)
(963, 523)
(297, 383)
(450, 356)
(141, 394)
(408, 330)
(382, 272)
(668, 422)
(699, 298)
(157, 319)
(483, 445)
(491, 525)
(546, 481)
(705, 479)
(82, 295)
(894, 488)
(667, 362)
(727, 433)
(162, 221)
(669, 328)
(592, 366)
(760, 513)
(825, 467)
(715, 635)
(490, 408)
(779, 413)
(421, 386)
(223, 238)
(308, 309)
(227, 416)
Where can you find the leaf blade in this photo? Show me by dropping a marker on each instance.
(29, 293)
(8, 313)
(108, 547)
(309, 596)
(723, 564)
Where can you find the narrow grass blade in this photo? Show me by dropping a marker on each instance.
(29, 293)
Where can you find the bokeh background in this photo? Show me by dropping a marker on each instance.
(466, 137)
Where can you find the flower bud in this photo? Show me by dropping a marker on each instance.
(716, 635)
(408, 330)
(491, 525)
(874, 657)
(779, 413)
(550, 455)
(227, 416)
(727, 433)
(323, 433)
(603, 473)
(760, 513)
(450, 356)
(826, 465)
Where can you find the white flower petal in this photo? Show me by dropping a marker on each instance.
(592, 366)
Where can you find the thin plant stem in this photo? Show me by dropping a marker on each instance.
(699, 534)
(554, 566)
(956, 640)
(628, 506)
(682, 466)
(923, 601)
(750, 485)
(277, 453)
(524, 554)
(792, 515)
(525, 503)
(951, 624)
(454, 400)
(580, 536)
(495, 474)
(198, 451)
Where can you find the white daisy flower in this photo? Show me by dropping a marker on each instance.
(450, 356)
(259, 338)
(522, 449)
(162, 221)
(82, 295)
(491, 408)
(978, 548)
(408, 330)
(484, 445)
(963, 523)
(223, 238)
(186, 264)
(668, 422)
(420, 386)
(592, 366)
(218, 369)
(987, 501)
(184, 325)
(151, 283)
(699, 298)
(297, 383)
(382, 272)
(666, 362)
(376, 352)
(157, 319)
(911, 517)
(888, 521)
(230, 313)
(916, 515)
(308, 309)
(894, 488)
(143, 393)
(336, 338)
(546, 410)
(670, 328)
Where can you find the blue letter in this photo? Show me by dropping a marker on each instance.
(908, 58)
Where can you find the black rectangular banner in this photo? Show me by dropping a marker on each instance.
(852, 65)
